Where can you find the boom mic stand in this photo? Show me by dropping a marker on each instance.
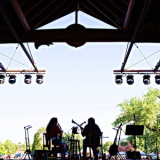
(27, 151)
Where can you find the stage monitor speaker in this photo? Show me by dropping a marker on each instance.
(40, 154)
(134, 130)
(133, 155)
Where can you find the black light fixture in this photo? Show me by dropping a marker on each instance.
(146, 79)
(118, 79)
(28, 79)
(39, 79)
(130, 79)
(12, 79)
(2, 79)
(157, 79)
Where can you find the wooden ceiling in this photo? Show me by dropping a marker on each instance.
(23, 17)
(134, 20)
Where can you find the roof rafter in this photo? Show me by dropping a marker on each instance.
(41, 10)
(111, 10)
(54, 9)
(142, 16)
(128, 14)
(20, 14)
(115, 24)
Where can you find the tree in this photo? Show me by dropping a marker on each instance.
(37, 142)
(2, 149)
(146, 111)
(10, 147)
(106, 146)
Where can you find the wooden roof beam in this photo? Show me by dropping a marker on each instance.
(20, 14)
(4, 15)
(128, 14)
(40, 10)
(31, 6)
(112, 10)
(54, 8)
(142, 16)
(117, 5)
(115, 24)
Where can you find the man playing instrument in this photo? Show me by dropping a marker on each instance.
(90, 127)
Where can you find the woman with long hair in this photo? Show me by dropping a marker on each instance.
(54, 132)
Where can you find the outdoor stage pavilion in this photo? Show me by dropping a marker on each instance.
(134, 21)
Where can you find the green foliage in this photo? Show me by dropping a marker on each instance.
(2, 149)
(106, 146)
(146, 110)
(10, 148)
(123, 143)
(41, 130)
(68, 136)
(37, 142)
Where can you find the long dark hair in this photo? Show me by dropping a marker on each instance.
(50, 124)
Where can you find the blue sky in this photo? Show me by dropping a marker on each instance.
(79, 83)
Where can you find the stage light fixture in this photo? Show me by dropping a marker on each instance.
(146, 79)
(39, 79)
(28, 79)
(12, 79)
(118, 79)
(157, 79)
(130, 79)
(2, 79)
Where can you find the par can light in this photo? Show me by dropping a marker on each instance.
(118, 79)
(39, 79)
(2, 79)
(28, 79)
(146, 79)
(157, 79)
(130, 79)
(12, 79)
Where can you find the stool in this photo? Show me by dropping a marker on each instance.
(74, 148)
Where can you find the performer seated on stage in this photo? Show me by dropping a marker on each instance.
(55, 133)
(90, 127)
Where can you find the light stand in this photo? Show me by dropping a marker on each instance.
(27, 151)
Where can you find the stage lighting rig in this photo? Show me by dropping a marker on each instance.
(118, 79)
(146, 79)
(12, 79)
(39, 79)
(2, 79)
(157, 79)
(130, 79)
(28, 79)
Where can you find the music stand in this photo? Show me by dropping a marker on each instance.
(134, 130)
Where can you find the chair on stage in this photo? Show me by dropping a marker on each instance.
(53, 149)
(95, 140)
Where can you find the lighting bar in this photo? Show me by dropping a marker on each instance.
(136, 71)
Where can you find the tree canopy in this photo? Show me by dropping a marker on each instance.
(147, 111)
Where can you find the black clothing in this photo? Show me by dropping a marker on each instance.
(91, 127)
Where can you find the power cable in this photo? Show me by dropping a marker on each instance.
(15, 60)
(13, 55)
(143, 59)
